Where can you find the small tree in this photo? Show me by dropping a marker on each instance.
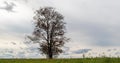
(49, 31)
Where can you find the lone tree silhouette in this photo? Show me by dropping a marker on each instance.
(49, 31)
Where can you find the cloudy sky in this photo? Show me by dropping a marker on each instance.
(92, 25)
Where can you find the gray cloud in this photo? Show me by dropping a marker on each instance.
(66, 50)
(89, 22)
(102, 34)
(97, 19)
(20, 28)
(81, 51)
(9, 6)
(117, 53)
(28, 52)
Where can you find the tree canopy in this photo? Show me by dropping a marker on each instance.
(49, 31)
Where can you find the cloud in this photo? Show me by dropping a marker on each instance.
(90, 23)
(97, 20)
(66, 50)
(117, 53)
(31, 51)
(8, 6)
(82, 51)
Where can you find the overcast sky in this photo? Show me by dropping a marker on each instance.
(91, 24)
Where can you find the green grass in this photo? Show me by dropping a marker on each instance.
(85, 60)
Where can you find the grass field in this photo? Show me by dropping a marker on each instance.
(85, 60)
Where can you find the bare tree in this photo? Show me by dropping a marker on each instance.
(49, 31)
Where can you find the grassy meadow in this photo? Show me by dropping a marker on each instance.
(77, 60)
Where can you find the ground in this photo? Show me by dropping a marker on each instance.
(77, 60)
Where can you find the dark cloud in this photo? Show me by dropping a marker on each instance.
(13, 43)
(9, 6)
(117, 53)
(81, 51)
(21, 53)
(109, 50)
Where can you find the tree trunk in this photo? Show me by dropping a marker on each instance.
(50, 55)
(50, 44)
(50, 52)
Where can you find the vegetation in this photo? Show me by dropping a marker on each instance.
(49, 31)
(84, 60)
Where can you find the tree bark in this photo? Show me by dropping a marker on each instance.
(50, 52)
